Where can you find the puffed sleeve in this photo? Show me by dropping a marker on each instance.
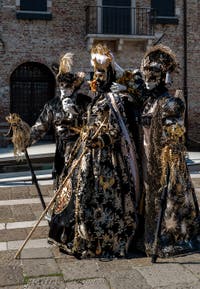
(42, 124)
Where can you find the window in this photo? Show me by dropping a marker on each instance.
(32, 84)
(164, 11)
(116, 16)
(34, 9)
(33, 5)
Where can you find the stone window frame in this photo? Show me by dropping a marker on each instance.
(34, 15)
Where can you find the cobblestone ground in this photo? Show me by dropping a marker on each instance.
(42, 266)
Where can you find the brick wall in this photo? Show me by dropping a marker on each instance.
(44, 41)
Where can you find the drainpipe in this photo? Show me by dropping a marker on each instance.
(185, 87)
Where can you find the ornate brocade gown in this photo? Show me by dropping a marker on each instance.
(96, 215)
(162, 121)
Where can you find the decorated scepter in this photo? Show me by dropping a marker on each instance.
(20, 139)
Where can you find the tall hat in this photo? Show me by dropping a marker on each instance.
(102, 58)
(163, 57)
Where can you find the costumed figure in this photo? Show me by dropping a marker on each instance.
(65, 113)
(164, 163)
(100, 200)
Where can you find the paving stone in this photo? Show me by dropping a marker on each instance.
(181, 286)
(36, 253)
(81, 269)
(194, 267)
(23, 213)
(3, 246)
(166, 274)
(188, 258)
(22, 201)
(2, 226)
(12, 235)
(45, 283)
(11, 275)
(100, 283)
(37, 210)
(40, 267)
(114, 265)
(19, 195)
(28, 224)
(46, 190)
(124, 264)
(6, 214)
(13, 287)
(7, 257)
(196, 182)
(40, 232)
(129, 279)
(37, 243)
(140, 262)
(21, 234)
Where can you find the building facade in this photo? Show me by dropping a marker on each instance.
(35, 33)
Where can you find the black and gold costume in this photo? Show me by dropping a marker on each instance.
(95, 215)
(164, 154)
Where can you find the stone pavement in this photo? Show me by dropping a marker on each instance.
(42, 266)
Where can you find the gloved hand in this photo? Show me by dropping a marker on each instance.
(116, 87)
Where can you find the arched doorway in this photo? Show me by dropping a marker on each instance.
(32, 85)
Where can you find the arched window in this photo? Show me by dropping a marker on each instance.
(32, 85)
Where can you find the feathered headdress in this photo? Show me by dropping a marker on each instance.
(102, 57)
(66, 63)
(65, 73)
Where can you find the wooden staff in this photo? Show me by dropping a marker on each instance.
(34, 179)
(50, 203)
(58, 191)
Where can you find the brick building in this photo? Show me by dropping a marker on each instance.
(35, 33)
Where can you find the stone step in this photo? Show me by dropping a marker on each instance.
(24, 192)
(196, 180)
(14, 232)
(16, 221)
(20, 208)
(32, 243)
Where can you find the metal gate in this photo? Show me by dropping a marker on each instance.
(32, 85)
